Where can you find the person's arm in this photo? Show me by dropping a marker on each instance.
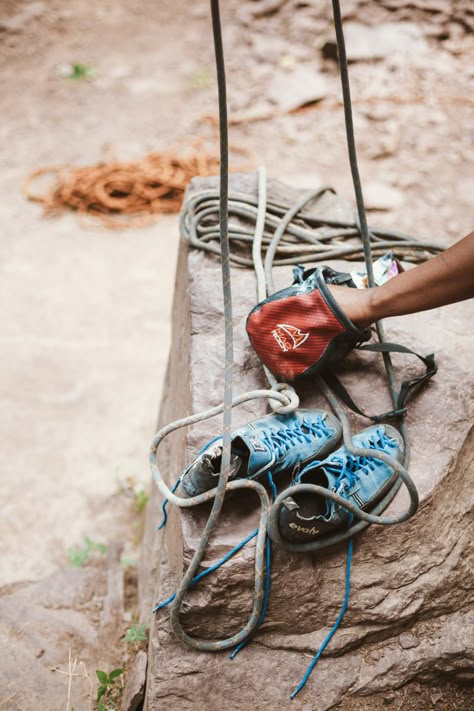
(444, 279)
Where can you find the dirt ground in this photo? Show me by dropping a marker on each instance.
(85, 312)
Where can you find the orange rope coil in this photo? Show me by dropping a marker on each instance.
(123, 195)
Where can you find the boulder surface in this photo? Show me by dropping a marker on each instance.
(409, 616)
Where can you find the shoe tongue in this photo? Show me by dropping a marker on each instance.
(258, 454)
(331, 476)
(321, 477)
(318, 475)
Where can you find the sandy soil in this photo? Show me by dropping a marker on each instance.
(85, 313)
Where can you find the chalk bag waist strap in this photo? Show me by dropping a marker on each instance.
(407, 388)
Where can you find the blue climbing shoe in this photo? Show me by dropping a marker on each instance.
(273, 443)
(361, 480)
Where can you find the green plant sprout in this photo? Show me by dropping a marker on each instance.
(136, 634)
(108, 692)
(128, 562)
(81, 71)
(132, 489)
(141, 499)
(200, 79)
(78, 556)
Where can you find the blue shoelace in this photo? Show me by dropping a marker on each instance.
(235, 550)
(280, 441)
(165, 504)
(348, 466)
(336, 625)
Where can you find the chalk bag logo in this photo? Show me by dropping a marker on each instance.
(288, 337)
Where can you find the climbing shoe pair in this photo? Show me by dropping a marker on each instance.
(303, 443)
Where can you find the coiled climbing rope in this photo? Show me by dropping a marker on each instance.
(304, 238)
(121, 194)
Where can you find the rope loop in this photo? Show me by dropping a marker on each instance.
(259, 589)
(290, 394)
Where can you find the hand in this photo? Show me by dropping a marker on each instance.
(356, 304)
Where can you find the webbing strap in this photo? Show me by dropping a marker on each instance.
(407, 387)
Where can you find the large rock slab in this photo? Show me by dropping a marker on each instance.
(410, 614)
(56, 632)
(49, 632)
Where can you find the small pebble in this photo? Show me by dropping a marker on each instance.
(436, 696)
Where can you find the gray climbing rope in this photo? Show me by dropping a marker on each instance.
(305, 238)
(281, 229)
(218, 501)
(286, 402)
